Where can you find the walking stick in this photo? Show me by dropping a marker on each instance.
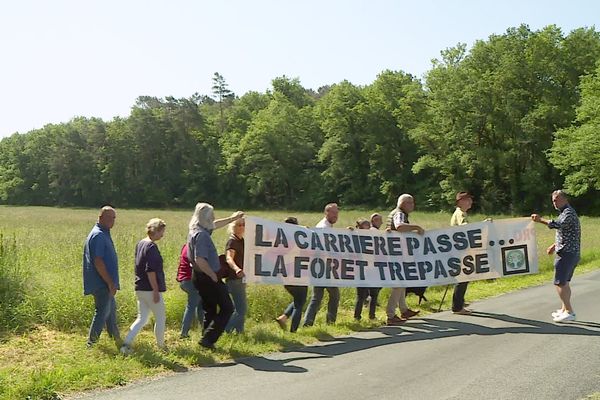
(443, 298)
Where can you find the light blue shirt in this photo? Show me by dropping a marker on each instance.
(204, 247)
(99, 244)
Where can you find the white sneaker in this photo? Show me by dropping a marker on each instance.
(557, 313)
(566, 316)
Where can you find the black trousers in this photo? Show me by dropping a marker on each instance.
(458, 298)
(294, 309)
(361, 295)
(217, 307)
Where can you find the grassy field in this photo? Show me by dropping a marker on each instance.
(44, 317)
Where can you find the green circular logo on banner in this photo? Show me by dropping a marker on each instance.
(515, 259)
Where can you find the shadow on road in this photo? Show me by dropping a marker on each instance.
(418, 330)
(148, 356)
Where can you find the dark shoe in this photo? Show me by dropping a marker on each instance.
(207, 345)
(395, 321)
(408, 314)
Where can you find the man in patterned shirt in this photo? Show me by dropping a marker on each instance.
(567, 249)
(398, 221)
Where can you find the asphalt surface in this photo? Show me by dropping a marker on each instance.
(509, 349)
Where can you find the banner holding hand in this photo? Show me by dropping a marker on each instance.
(278, 253)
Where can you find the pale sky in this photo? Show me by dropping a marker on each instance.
(66, 58)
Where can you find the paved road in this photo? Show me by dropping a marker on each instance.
(510, 350)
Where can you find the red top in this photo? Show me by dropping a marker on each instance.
(184, 272)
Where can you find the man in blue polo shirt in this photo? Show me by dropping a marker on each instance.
(101, 276)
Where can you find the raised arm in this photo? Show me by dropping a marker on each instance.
(219, 223)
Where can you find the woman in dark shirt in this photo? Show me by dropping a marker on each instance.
(234, 253)
(149, 283)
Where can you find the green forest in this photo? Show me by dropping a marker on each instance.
(509, 119)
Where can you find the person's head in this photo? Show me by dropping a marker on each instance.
(291, 220)
(464, 200)
(107, 217)
(331, 213)
(155, 228)
(406, 203)
(237, 227)
(362, 223)
(559, 199)
(376, 220)
(203, 217)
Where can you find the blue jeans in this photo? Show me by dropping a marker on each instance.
(315, 304)
(294, 309)
(237, 290)
(193, 307)
(105, 313)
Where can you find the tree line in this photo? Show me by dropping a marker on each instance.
(509, 120)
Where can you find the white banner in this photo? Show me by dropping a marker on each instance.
(279, 253)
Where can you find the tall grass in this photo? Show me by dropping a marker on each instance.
(15, 311)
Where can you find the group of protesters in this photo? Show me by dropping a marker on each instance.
(208, 296)
(397, 220)
(216, 291)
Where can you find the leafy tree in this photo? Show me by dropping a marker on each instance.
(73, 163)
(367, 150)
(32, 163)
(277, 156)
(223, 95)
(292, 90)
(12, 183)
(492, 114)
(241, 114)
(160, 155)
(341, 116)
(576, 150)
(396, 104)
